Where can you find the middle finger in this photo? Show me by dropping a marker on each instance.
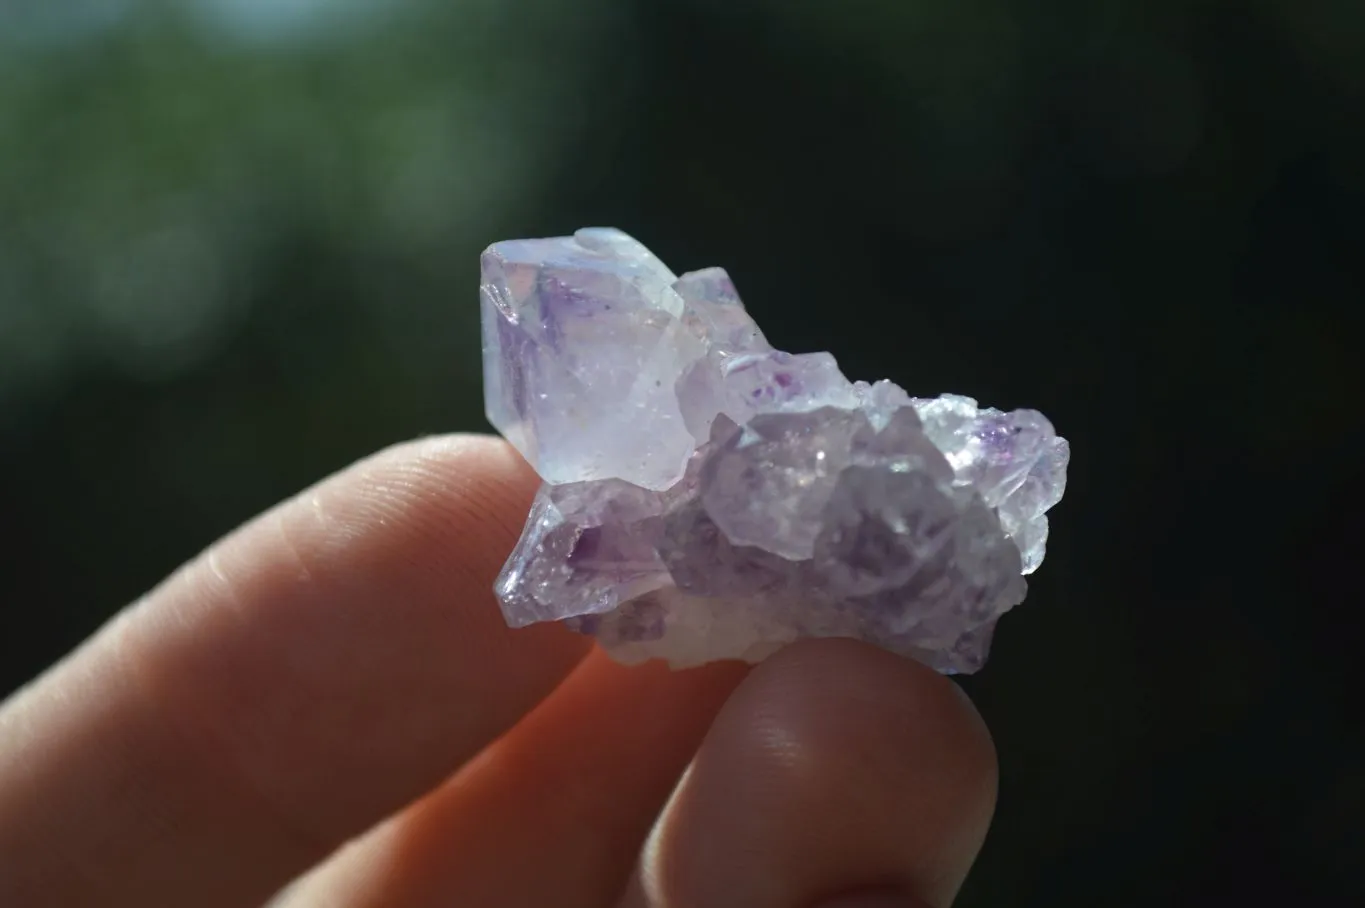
(554, 813)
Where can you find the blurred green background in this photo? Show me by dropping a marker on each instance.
(238, 249)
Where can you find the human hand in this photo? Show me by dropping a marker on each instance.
(332, 685)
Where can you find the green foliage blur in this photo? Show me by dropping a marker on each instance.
(238, 249)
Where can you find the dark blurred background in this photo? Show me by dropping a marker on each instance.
(239, 243)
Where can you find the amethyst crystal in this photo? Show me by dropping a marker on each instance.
(708, 497)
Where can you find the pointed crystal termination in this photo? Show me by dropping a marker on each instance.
(708, 497)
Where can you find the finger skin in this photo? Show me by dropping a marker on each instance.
(309, 675)
(551, 814)
(833, 768)
(883, 898)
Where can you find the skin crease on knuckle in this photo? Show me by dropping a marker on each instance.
(361, 569)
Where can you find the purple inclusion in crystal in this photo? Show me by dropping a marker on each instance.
(708, 497)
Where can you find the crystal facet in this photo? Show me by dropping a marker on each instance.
(708, 497)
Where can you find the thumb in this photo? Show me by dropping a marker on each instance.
(835, 771)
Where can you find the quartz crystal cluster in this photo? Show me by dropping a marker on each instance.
(708, 497)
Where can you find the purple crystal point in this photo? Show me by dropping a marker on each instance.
(707, 497)
(583, 340)
(714, 313)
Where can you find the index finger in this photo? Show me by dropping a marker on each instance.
(305, 677)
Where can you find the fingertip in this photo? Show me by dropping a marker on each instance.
(834, 766)
(315, 671)
(372, 589)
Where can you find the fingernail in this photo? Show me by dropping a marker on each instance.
(874, 898)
